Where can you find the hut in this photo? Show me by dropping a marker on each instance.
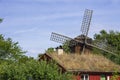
(85, 66)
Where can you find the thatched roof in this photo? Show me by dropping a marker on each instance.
(85, 62)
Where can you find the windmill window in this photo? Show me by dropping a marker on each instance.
(84, 77)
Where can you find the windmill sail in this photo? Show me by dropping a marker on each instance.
(86, 21)
(59, 38)
(85, 26)
(102, 49)
(62, 39)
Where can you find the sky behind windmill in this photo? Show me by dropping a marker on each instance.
(30, 22)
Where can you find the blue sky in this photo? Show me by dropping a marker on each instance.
(30, 22)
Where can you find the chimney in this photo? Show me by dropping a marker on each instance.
(59, 50)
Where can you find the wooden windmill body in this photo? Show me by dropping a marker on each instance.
(77, 48)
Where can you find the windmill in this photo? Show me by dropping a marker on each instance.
(84, 29)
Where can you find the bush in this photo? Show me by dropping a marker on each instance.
(31, 70)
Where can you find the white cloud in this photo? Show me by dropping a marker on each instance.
(36, 19)
(24, 31)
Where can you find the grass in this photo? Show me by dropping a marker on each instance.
(85, 62)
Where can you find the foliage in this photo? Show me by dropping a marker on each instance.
(66, 47)
(16, 66)
(50, 50)
(30, 69)
(9, 49)
(115, 76)
(109, 41)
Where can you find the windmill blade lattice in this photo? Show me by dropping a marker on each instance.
(59, 38)
(86, 21)
(62, 39)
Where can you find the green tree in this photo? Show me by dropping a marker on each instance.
(115, 75)
(66, 47)
(109, 41)
(14, 65)
(50, 50)
(31, 69)
(9, 49)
